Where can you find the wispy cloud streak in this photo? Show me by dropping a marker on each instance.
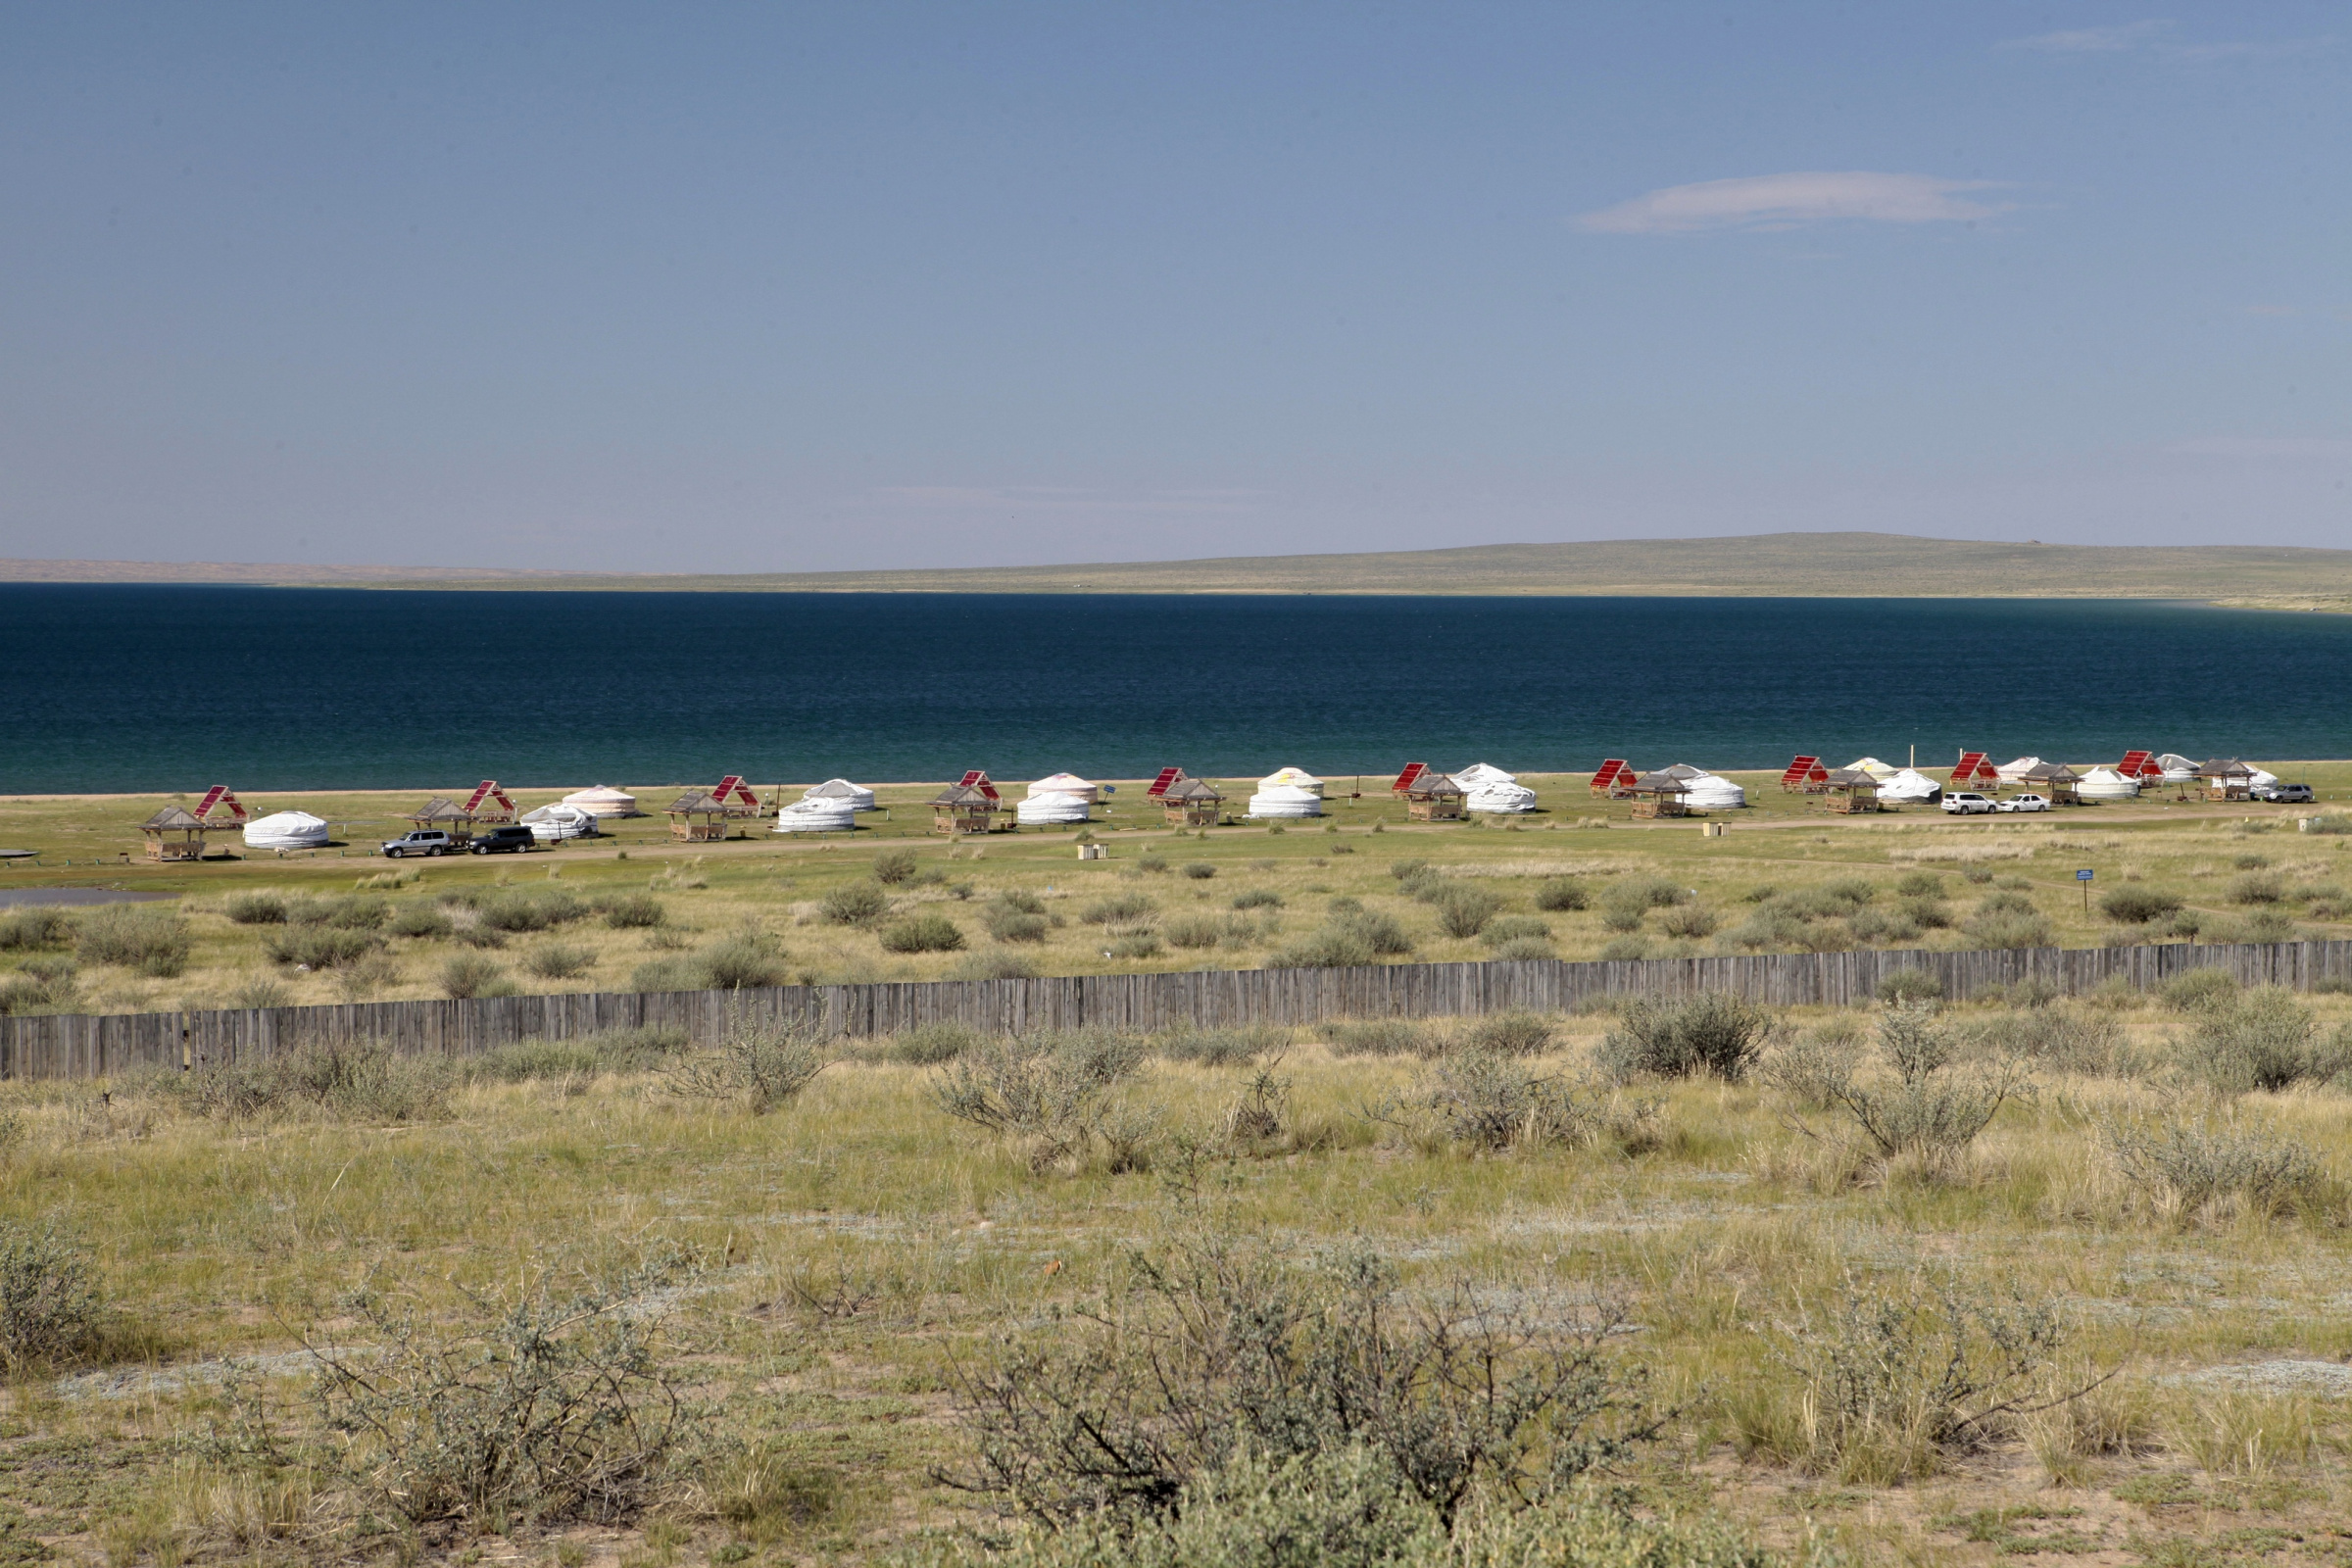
(1788, 201)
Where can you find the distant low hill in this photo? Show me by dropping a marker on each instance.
(1865, 566)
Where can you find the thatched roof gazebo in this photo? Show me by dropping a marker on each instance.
(176, 833)
(1849, 792)
(963, 808)
(1659, 794)
(2053, 779)
(2225, 779)
(446, 814)
(1430, 796)
(1191, 803)
(699, 817)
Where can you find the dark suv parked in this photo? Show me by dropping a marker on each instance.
(505, 841)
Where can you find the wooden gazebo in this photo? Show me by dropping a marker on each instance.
(968, 806)
(1659, 794)
(1191, 803)
(446, 814)
(2055, 780)
(176, 833)
(699, 817)
(1849, 792)
(1430, 796)
(2225, 779)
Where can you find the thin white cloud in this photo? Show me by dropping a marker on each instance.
(2242, 446)
(1788, 201)
(2118, 39)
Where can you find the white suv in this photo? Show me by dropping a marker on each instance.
(1967, 803)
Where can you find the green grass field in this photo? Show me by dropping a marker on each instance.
(821, 1283)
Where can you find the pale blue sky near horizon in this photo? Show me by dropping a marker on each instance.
(798, 287)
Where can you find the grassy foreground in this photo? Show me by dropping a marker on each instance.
(1579, 879)
(824, 1284)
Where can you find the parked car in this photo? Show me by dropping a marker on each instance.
(1968, 802)
(515, 839)
(2284, 794)
(423, 841)
(2022, 803)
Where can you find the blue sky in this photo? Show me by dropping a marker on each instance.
(734, 288)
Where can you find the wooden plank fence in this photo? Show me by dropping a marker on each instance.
(94, 1047)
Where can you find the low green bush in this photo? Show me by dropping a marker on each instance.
(419, 920)
(854, 903)
(748, 958)
(1560, 894)
(615, 1051)
(319, 947)
(1464, 908)
(1910, 984)
(556, 962)
(1120, 908)
(2265, 1040)
(517, 911)
(154, 942)
(1193, 931)
(894, 867)
(2137, 905)
(49, 1305)
(35, 927)
(2198, 989)
(468, 976)
(926, 932)
(1200, 871)
(1688, 920)
(928, 1045)
(1507, 1034)
(631, 912)
(256, 908)
(1259, 899)
(1713, 1033)
(1509, 928)
(1223, 1048)
(2257, 886)
(1379, 1037)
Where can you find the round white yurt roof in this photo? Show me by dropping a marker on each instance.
(286, 830)
(821, 814)
(1063, 784)
(2260, 777)
(858, 797)
(602, 800)
(2106, 784)
(1287, 799)
(1907, 784)
(1874, 767)
(1704, 792)
(1478, 774)
(1054, 805)
(1501, 796)
(2019, 768)
(2176, 767)
(1292, 778)
(559, 821)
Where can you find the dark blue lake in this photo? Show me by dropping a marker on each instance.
(136, 688)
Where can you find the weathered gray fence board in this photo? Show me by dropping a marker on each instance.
(95, 1046)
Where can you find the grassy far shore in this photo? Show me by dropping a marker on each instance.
(1580, 879)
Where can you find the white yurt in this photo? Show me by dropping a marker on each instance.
(1703, 791)
(1288, 792)
(1067, 784)
(1874, 767)
(286, 830)
(2106, 784)
(550, 824)
(2261, 776)
(2178, 769)
(818, 814)
(1908, 785)
(602, 801)
(1050, 807)
(2013, 772)
(1488, 788)
(858, 797)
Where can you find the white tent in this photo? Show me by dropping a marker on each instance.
(2013, 772)
(1289, 792)
(551, 823)
(2178, 769)
(1480, 774)
(2260, 777)
(286, 830)
(816, 813)
(1065, 784)
(1501, 798)
(603, 801)
(859, 798)
(1908, 784)
(2106, 784)
(1874, 767)
(1703, 791)
(1054, 805)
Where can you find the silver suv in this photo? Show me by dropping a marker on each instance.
(423, 841)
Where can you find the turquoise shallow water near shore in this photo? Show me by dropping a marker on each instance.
(141, 688)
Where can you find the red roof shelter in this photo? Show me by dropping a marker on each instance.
(1614, 777)
(1974, 771)
(1805, 776)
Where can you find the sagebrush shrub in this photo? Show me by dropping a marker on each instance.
(2257, 886)
(1464, 908)
(2137, 906)
(1237, 1046)
(2265, 1040)
(615, 1051)
(1379, 1037)
(928, 1045)
(926, 932)
(1120, 908)
(1712, 1032)
(2184, 1169)
(854, 903)
(1910, 984)
(1509, 928)
(2198, 989)
(154, 942)
(514, 911)
(1257, 899)
(1688, 921)
(469, 975)
(256, 908)
(1560, 894)
(632, 911)
(744, 960)
(1208, 1355)
(49, 1308)
(35, 927)
(1042, 1091)
(555, 1408)
(760, 1061)
(1194, 931)
(1200, 871)
(1508, 1034)
(894, 867)
(318, 947)
(557, 963)
(1926, 1109)
(420, 922)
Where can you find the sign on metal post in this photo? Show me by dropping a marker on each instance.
(2084, 876)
